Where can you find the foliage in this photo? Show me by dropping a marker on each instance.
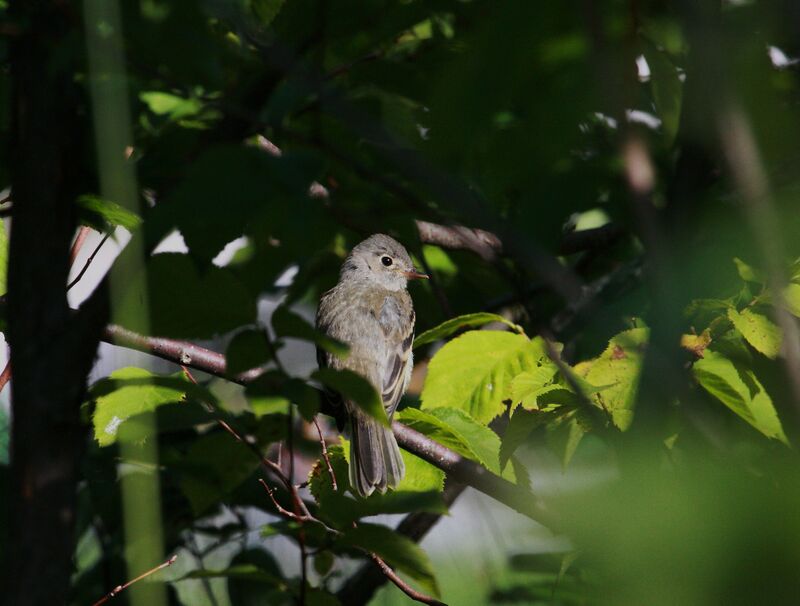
(660, 354)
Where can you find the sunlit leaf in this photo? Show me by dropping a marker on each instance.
(617, 369)
(740, 390)
(747, 273)
(791, 297)
(104, 215)
(455, 429)
(131, 391)
(453, 325)
(758, 330)
(167, 104)
(474, 371)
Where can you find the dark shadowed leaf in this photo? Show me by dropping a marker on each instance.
(286, 323)
(248, 349)
(355, 388)
(398, 551)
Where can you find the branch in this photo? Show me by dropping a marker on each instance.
(472, 474)
(457, 237)
(590, 239)
(5, 376)
(120, 588)
(404, 587)
(460, 469)
(362, 585)
(324, 453)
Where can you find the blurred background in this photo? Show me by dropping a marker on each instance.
(605, 195)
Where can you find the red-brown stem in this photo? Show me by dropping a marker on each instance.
(80, 238)
(324, 453)
(83, 233)
(120, 588)
(5, 376)
(402, 585)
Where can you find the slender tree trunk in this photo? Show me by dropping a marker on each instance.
(52, 349)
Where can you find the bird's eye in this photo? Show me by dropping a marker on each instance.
(387, 261)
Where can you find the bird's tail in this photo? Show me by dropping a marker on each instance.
(375, 459)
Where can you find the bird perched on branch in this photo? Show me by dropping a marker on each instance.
(371, 311)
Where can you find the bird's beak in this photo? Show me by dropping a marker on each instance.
(415, 275)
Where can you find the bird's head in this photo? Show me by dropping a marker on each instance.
(381, 260)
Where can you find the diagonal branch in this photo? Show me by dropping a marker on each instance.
(459, 468)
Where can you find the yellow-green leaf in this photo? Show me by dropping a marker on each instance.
(739, 389)
(617, 369)
(758, 330)
(474, 371)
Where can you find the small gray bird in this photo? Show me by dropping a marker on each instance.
(371, 311)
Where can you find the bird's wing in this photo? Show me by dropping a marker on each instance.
(397, 323)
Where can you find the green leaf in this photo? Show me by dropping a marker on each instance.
(461, 322)
(211, 206)
(617, 369)
(104, 215)
(266, 10)
(396, 550)
(131, 391)
(791, 297)
(458, 431)
(474, 371)
(520, 426)
(566, 432)
(738, 388)
(248, 349)
(216, 464)
(306, 397)
(186, 302)
(747, 273)
(173, 106)
(323, 562)
(355, 388)
(286, 323)
(526, 386)
(758, 330)
(420, 490)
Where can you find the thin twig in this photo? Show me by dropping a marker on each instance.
(270, 465)
(120, 588)
(402, 585)
(324, 453)
(88, 262)
(384, 567)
